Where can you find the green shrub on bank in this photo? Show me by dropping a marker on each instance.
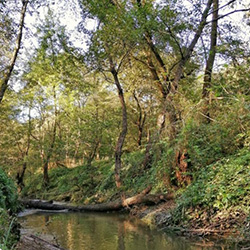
(8, 193)
(208, 143)
(9, 232)
(222, 186)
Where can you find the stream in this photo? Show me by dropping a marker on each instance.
(105, 231)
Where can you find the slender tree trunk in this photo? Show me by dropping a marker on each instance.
(92, 154)
(210, 61)
(140, 121)
(47, 160)
(6, 78)
(20, 176)
(170, 107)
(147, 162)
(123, 133)
(51, 147)
(173, 119)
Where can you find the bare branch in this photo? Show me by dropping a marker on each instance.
(230, 13)
(122, 60)
(221, 7)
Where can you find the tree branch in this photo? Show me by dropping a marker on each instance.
(10, 68)
(230, 13)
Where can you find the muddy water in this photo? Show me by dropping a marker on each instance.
(98, 231)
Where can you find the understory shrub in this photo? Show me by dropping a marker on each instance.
(9, 228)
(221, 186)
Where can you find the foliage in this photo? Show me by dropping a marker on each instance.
(65, 109)
(77, 184)
(207, 143)
(9, 233)
(220, 188)
(95, 183)
(8, 194)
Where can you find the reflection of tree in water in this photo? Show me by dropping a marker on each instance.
(121, 235)
(48, 220)
(78, 231)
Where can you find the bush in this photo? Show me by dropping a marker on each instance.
(222, 186)
(8, 194)
(208, 143)
(9, 228)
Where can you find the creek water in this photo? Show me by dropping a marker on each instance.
(103, 231)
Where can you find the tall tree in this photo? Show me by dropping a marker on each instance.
(124, 127)
(109, 53)
(10, 67)
(210, 60)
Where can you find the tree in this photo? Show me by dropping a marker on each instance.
(10, 67)
(45, 72)
(108, 46)
(210, 60)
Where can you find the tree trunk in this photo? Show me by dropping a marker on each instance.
(147, 162)
(92, 154)
(52, 144)
(10, 68)
(47, 160)
(20, 176)
(143, 198)
(49, 154)
(140, 121)
(210, 61)
(189, 51)
(122, 136)
(182, 168)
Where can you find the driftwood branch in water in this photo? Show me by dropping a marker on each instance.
(142, 198)
(35, 243)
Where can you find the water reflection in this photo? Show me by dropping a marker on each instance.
(86, 231)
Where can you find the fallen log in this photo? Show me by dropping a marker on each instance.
(142, 198)
(35, 243)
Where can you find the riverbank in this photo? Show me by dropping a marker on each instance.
(217, 202)
(50, 222)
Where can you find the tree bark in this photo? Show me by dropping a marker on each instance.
(123, 133)
(6, 78)
(210, 61)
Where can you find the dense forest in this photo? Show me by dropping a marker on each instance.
(139, 93)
